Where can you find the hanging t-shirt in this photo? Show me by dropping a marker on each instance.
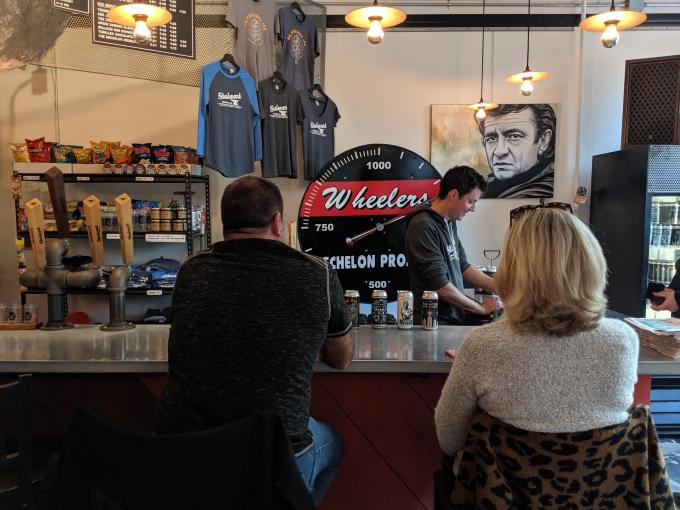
(300, 46)
(278, 109)
(318, 119)
(229, 135)
(255, 23)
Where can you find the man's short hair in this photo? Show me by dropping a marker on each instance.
(544, 117)
(250, 202)
(461, 178)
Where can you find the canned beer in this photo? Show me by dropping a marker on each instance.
(379, 309)
(405, 309)
(352, 300)
(655, 234)
(430, 310)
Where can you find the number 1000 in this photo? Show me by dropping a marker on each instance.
(379, 165)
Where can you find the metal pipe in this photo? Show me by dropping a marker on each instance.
(118, 282)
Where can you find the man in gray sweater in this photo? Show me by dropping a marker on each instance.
(436, 258)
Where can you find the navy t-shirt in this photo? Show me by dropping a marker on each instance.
(318, 117)
(249, 318)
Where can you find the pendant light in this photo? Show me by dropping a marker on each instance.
(527, 77)
(375, 18)
(610, 22)
(481, 106)
(140, 15)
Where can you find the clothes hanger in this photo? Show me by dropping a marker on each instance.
(278, 81)
(296, 7)
(229, 59)
(318, 93)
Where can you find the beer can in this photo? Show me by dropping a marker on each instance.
(405, 309)
(655, 213)
(665, 236)
(655, 234)
(675, 235)
(379, 309)
(430, 310)
(352, 300)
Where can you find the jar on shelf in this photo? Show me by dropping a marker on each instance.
(155, 213)
(181, 213)
(155, 226)
(178, 225)
(167, 213)
(165, 225)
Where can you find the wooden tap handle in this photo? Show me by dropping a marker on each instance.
(55, 184)
(93, 218)
(124, 215)
(36, 227)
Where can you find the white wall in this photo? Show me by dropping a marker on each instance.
(383, 92)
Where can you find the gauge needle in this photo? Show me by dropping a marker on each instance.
(379, 227)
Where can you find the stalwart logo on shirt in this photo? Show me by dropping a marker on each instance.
(452, 252)
(297, 44)
(229, 100)
(319, 129)
(255, 28)
(277, 111)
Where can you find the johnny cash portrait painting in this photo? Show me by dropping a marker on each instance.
(514, 147)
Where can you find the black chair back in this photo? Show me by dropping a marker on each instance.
(242, 465)
(15, 461)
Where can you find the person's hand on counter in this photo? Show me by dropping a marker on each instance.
(669, 303)
(491, 305)
(450, 353)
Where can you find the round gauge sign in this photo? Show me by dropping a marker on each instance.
(352, 215)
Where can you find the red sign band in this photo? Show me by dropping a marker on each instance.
(367, 198)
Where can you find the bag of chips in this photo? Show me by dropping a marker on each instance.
(141, 152)
(63, 153)
(181, 154)
(83, 154)
(101, 153)
(19, 152)
(194, 159)
(161, 153)
(121, 154)
(38, 150)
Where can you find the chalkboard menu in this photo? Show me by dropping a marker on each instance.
(176, 38)
(74, 6)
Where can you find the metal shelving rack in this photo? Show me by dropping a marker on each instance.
(187, 179)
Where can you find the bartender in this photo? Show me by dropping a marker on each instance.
(436, 258)
(671, 295)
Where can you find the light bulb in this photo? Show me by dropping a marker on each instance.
(375, 33)
(481, 114)
(141, 33)
(610, 36)
(527, 87)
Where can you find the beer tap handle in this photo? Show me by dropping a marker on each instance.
(36, 227)
(55, 185)
(124, 214)
(93, 218)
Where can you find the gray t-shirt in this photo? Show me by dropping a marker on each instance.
(278, 110)
(318, 119)
(249, 318)
(435, 257)
(255, 23)
(300, 46)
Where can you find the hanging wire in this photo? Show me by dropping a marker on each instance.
(481, 86)
(528, 28)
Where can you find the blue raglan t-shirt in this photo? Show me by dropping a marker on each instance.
(229, 135)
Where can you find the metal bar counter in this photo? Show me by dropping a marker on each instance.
(87, 349)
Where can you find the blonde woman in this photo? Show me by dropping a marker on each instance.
(553, 363)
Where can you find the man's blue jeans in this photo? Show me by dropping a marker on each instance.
(320, 462)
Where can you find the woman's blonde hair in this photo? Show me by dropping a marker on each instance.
(552, 274)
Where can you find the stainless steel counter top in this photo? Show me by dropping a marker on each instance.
(87, 349)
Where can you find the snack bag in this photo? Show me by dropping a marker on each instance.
(83, 154)
(19, 152)
(193, 157)
(121, 153)
(38, 151)
(181, 154)
(162, 153)
(141, 152)
(101, 153)
(63, 153)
